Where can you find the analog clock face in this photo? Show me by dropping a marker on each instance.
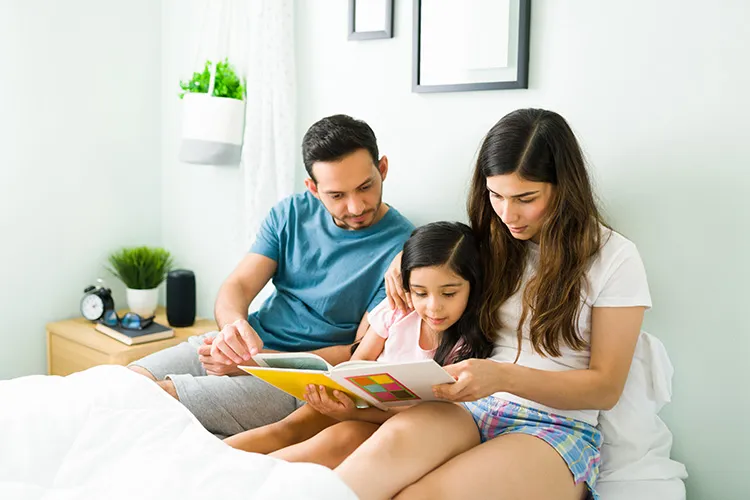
(92, 307)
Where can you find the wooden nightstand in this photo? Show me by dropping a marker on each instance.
(73, 345)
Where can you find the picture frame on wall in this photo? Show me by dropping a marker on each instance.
(468, 45)
(370, 19)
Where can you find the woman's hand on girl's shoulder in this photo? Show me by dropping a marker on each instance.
(398, 298)
(340, 406)
(475, 379)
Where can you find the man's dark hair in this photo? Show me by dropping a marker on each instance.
(334, 137)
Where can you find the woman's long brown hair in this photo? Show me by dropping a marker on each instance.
(539, 146)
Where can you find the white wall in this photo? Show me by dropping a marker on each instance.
(79, 144)
(657, 92)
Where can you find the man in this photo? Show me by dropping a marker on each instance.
(326, 251)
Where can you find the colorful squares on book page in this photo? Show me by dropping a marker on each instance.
(361, 381)
(384, 388)
(374, 388)
(381, 379)
(385, 396)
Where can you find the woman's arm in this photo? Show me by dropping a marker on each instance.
(614, 334)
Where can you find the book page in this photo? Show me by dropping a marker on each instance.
(395, 384)
(292, 360)
(355, 362)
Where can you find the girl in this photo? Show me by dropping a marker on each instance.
(565, 296)
(440, 269)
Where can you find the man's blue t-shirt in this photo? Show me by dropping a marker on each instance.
(327, 277)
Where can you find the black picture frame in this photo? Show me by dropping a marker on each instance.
(522, 57)
(386, 32)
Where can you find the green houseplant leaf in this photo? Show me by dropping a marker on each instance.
(140, 268)
(227, 83)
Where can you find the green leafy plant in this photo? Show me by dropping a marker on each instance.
(227, 83)
(140, 268)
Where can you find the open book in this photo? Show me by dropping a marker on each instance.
(368, 383)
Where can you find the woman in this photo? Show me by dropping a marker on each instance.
(564, 300)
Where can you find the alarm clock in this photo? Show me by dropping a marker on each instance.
(95, 301)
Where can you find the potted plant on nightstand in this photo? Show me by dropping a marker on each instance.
(142, 270)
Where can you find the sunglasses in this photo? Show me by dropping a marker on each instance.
(130, 320)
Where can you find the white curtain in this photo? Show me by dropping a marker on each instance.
(270, 150)
(221, 29)
(258, 38)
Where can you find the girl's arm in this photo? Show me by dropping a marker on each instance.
(614, 334)
(370, 347)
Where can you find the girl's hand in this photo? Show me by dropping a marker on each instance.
(394, 290)
(475, 379)
(340, 406)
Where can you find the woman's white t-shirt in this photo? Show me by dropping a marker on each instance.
(616, 278)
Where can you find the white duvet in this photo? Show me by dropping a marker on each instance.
(108, 433)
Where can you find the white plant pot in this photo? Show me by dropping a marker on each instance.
(212, 130)
(143, 302)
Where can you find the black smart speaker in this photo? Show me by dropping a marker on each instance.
(181, 298)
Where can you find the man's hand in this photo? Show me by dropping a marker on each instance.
(217, 367)
(233, 345)
(340, 406)
(236, 343)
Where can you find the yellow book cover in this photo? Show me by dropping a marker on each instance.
(295, 382)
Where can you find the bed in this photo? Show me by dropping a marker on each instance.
(108, 432)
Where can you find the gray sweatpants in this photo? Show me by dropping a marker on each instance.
(224, 405)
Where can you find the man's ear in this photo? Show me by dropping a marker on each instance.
(312, 187)
(383, 167)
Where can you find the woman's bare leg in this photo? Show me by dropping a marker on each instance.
(300, 425)
(505, 468)
(406, 447)
(330, 446)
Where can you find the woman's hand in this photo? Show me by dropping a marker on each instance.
(394, 290)
(475, 379)
(340, 406)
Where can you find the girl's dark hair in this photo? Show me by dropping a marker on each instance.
(539, 146)
(334, 137)
(451, 244)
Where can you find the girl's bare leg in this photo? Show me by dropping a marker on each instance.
(406, 447)
(300, 425)
(331, 446)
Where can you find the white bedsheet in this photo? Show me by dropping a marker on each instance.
(108, 433)
(664, 489)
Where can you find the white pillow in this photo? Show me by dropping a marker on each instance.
(637, 443)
